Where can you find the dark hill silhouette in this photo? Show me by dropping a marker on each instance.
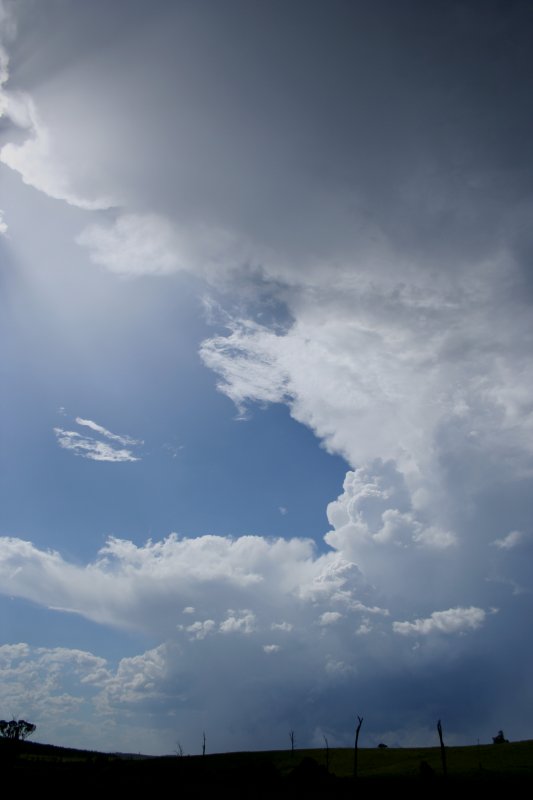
(38, 767)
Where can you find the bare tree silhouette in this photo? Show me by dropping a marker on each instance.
(442, 750)
(359, 723)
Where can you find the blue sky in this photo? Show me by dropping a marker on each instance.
(266, 420)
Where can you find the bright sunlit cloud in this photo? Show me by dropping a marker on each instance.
(35, 160)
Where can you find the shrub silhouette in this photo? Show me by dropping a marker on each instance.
(500, 738)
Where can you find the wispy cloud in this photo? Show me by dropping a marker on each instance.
(93, 448)
(3, 225)
(125, 440)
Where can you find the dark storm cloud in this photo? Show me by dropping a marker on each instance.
(316, 129)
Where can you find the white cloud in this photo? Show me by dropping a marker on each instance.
(239, 622)
(271, 648)
(329, 617)
(393, 362)
(375, 522)
(134, 245)
(454, 620)
(127, 586)
(364, 628)
(136, 680)
(282, 626)
(13, 651)
(201, 629)
(3, 225)
(152, 244)
(125, 440)
(49, 685)
(512, 540)
(91, 448)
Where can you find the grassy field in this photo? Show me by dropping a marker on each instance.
(270, 773)
(479, 761)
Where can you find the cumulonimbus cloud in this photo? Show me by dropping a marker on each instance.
(377, 371)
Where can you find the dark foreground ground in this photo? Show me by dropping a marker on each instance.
(37, 768)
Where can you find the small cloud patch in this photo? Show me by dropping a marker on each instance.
(454, 620)
(512, 540)
(94, 446)
(271, 648)
(329, 617)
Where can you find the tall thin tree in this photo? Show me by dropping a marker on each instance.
(359, 723)
(442, 750)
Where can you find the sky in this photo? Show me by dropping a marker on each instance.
(266, 421)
